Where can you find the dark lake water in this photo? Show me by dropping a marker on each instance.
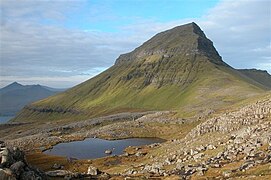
(4, 119)
(92, 148)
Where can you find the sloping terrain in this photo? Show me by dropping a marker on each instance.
(15, 96)
(234, 144)
(178, 70)
(260, 76)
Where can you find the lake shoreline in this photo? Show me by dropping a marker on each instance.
(98, 147)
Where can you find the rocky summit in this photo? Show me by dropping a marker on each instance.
(180, 41)
(214, 120)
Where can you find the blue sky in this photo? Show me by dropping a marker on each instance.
(109, 15)
(62, 43)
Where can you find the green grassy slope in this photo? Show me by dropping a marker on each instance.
(178, 69)
(207, 87)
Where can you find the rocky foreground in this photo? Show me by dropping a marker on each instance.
(14, 165)
(233, 144)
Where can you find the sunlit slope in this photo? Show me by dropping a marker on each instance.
(178, 69)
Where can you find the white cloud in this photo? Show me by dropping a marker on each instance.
(34, 50)
(30, 47)
(266, 65)
(241, 31)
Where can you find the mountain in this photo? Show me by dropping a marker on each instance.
(15, 96)
(178, 69)
(10, 87)
(260, 76)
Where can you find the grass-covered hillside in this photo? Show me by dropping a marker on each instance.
(178, 70)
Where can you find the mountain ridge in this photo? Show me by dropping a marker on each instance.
(260, 76)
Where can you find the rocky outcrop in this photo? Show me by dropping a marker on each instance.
(92, 173)
(52, 110)
(232, 121)
(14, 166)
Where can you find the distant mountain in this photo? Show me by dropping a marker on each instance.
(10, 87)
(178, 69)
(260, 76)
(15, 96)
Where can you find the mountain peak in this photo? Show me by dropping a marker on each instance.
(184, 40)
(16, 84)
(190, 28)
(11, 87)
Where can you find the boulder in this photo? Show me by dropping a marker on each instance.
(155, 168)
(168, 161)
(210, 147)
(57, 166)
(138, 154)
(17, 154)
(227, 174)
(215, 165)
(189, 170)
(30, 175)
(201, 148)
(193, 152)
(247, 165)
(6, 174)
(198, 156)
(201, 170)
(179, 166)
(7, 158)
(92, 170)
(130, 171)
(17, 168)
(58, 173)
(200, 173)
(108, 151)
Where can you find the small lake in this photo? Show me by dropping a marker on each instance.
(92, 148)
(4, 119)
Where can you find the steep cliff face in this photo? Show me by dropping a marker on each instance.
(178, 69)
